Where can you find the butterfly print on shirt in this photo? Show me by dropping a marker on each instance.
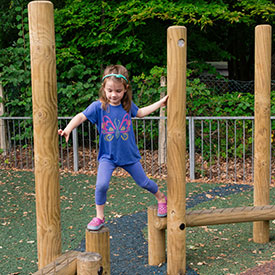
(116, 129)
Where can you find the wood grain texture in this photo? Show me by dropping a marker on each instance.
(262, 126)
(99, 242)
(176, 147)
(156, 238)
(88, 263)
(44, 98)
(65, 264)
(218, 216)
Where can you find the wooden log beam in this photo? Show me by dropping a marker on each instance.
(65, 264)
(219, 216)
(230, 215)
(263, 38)
(44, 98)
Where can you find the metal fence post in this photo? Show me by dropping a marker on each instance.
(75, 149)
(192, 148)
(3, 129)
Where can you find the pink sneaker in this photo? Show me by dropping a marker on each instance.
(95, 224)
(162, 208)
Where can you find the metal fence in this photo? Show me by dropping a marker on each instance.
(218, 148)
(229, 85)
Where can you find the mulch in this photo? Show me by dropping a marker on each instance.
(263, 269)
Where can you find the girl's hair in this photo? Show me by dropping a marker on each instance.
(127, 98)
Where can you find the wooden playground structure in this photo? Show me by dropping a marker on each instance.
(178, 218)
(44, 88)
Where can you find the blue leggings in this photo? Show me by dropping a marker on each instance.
(104, 174)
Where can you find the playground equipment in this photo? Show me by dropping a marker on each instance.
(42, 43)
(74, 262)
(176, 148)
(177, 217)
(263, 36)
(44, 95)
(99, 241)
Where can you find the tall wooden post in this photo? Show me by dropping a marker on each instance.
(44, 97)
(176, 147)
(262, 127)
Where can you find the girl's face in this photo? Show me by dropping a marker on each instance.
(114, 91)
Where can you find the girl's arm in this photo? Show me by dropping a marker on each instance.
(145, 111)
(76, 121)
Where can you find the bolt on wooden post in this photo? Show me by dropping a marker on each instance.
(176, 147)
(44, 98)
(262, 127)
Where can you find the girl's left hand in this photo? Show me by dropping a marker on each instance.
(163, 101)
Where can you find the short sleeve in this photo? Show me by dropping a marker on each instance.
(134, 109)
(91, 112)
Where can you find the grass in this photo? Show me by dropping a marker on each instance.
(228, 249)
(222, 249)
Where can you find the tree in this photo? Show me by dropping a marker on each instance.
(134, 32)
(91, 35)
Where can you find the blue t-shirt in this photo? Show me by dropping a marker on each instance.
(116, 134)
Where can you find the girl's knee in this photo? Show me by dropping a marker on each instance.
(102, 187)
(101, 193)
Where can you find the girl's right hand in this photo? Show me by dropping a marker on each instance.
(64, 134)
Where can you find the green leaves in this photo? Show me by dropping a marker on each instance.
(133, 33)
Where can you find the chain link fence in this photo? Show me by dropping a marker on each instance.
(227, 85)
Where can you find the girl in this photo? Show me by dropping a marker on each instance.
(117, 147)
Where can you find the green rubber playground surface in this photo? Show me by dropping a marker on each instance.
(222, 249)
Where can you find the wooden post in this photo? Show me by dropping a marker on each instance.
(3, 130)
(156, 239)
(262, 127)
(88, 263)
(162, 128)
(44, 98)
(176, 147)
(99, 242)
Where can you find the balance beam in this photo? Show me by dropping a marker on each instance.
(157, 225)
(65, 264)
(72, 263)
(218, 216)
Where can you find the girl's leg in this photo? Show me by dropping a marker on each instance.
(100, 211)
(104, 174)
(138, 174)
(160, 197)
